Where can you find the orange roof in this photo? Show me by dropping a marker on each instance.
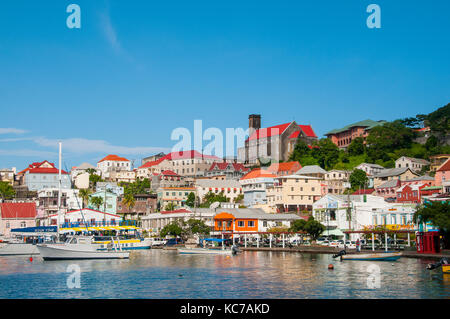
(445, 166)
(283, 167)
(257, 173)
(114, 158)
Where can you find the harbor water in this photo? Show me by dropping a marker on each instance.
(166, 274)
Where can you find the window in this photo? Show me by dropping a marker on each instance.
(241, 223)
(251, 223)
(23, 224)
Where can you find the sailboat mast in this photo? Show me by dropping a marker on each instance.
(59, 190)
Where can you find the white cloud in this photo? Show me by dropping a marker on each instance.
(83, 146)
(11, 131)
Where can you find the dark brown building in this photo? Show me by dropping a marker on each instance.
(144, 204)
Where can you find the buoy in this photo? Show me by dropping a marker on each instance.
(330, 266)
(31, 259)
(228, 257)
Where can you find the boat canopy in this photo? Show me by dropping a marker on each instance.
(91, 228)
(35, 231)
(214, 239)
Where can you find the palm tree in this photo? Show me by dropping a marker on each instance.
(84, 194)
(170, 207)
(129, 201)
(97, 202)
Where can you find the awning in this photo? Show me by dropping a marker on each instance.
(333, 232)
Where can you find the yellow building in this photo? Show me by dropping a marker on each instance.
(401, 173)
(294, 193)
(175, 195)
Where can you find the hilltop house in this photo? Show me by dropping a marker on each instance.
(344, 136)
(416, 164)
(43, 175)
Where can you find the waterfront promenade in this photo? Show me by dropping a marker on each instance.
(334, 250)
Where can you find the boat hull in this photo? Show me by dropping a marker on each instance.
(55, 252)
(204, 251)
(17, 249)
(446, 269)
(373, 257)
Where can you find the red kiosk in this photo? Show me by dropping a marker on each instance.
(428, 242)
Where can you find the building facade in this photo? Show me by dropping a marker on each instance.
(344, 136)
(44, 175)
(415, 164)
(254, 185)
(16, 215)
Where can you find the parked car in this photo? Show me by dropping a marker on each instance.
(325, 243)
(348, 245)
(157, 241)
(334, 243)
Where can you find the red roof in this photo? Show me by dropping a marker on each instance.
(269, 131)
(257, 173)
(169, 172)
(445, 166)
(18, 210)
(36, 168)
(283, 167)
(114, 158)
(180, 155)
(364, 191)
(176, 211)
(279, 129)
(225, 165)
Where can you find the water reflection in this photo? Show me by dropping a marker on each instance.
(167, 274)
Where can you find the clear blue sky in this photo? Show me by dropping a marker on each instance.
(138, 69)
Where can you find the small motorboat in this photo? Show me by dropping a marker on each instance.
(385, 256)
(444, 263)
(208, 251)
(81, 247)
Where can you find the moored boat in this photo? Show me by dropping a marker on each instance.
(207, 251)
(389, 256)
(81, 247)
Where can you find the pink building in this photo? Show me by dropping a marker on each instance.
(443, 174)
(16, 215)
(388, 190)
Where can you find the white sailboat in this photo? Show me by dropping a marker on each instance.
(79, 247)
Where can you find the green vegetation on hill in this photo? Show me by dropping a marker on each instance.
(384, 144)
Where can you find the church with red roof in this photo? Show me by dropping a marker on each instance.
(274, 143)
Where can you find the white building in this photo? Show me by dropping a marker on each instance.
(370, 169)
(230, 188)
(415, 164)
(113, 163)
(254, 185)
(84, 216)
(366, 211)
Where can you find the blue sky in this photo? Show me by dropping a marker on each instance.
(136, 70)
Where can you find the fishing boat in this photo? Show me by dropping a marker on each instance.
(389, 256)
(82, 247)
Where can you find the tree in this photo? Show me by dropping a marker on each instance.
(84, 194)
(387, 138)
(314, 228)
(358, 178)
(298, 225)
(211, 197)
(6, 190)
(239, 198)
(170, 207)
(94, 179)
(197, 227)
(97, 201)
(190, 201)
(129, 201)
(326, 153)
(437, 213)
(357, 147)
(172, 229)
(140, 186)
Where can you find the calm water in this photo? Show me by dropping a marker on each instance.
(166, 274)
